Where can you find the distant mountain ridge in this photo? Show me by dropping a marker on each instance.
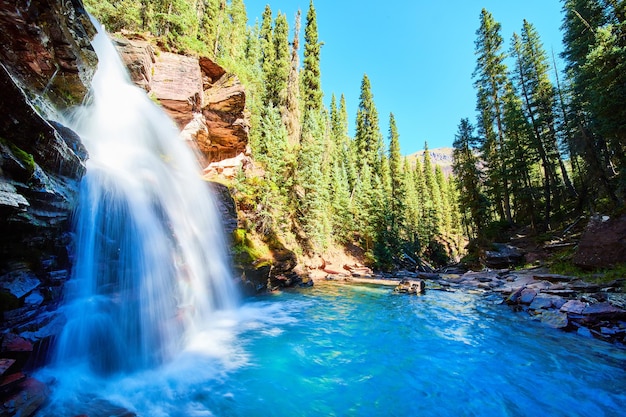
(438, 156)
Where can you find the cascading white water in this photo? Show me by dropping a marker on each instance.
(150, 263)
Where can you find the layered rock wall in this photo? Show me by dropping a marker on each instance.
(207, 103)
(46, 62)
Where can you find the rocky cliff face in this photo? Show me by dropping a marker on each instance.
(45, 58)
(206, 102)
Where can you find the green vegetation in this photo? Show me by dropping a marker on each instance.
(545, 152)
(320, 188)
(26, 159)
(540, 153)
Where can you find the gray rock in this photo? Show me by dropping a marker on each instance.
(19, 283)
(503, 256)
(541, 302)
(527, 296)
(554, 319)
(603, 310)
(573, 307)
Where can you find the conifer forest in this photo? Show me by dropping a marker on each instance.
(547, 144)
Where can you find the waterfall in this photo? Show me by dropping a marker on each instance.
(150, 266)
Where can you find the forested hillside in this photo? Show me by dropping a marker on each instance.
(546, 146)
(320, 188)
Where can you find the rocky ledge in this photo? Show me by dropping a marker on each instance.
(559, 301)
(46, 62)
(207, 103)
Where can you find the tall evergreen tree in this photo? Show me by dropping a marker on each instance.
(311, 75)
(411, 213)
(209, 12)
(347, 148)
(278, 78)
(397, 200)
(473, 202)
(237, 29)
(431, 214)
(368, 139)
(580, 24)
(292, 115)
(445, 206)
(521, 156)
(490, 81)
(268, 53)
(605, 71)
(312, 183)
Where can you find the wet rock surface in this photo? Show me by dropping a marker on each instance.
(46, 65)
(559, 301)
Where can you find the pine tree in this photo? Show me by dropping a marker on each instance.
(582, 20)
(312, 183)
(311, 75)
(278, 78)
(368, 139)
(411, 213)
(605, 70)
(292, 115)
(445, 207)
(397, 199)
(117, 14)
(422, 203)
(432, 214)
(268, 54)
(362, 207)
(490, 81)
(272, 150)
(473, 202)
(521, 156)
(237, 30)
(348, 152)
(340, 204)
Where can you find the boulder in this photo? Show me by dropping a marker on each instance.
(573, 307)
(541, 302)
(406, 286)
(603, 243)
(604, 311)
(527, 296)
(25, 399)
(502, 256)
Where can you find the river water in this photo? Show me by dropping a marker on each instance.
(353, 350)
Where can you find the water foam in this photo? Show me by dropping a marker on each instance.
(151, 268)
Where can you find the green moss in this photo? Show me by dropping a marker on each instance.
(24, 157)
(246, 251)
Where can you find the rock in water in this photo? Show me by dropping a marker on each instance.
(410, 287)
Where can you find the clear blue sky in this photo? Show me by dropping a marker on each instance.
(418, 54)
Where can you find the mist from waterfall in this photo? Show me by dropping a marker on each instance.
(150, 268)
